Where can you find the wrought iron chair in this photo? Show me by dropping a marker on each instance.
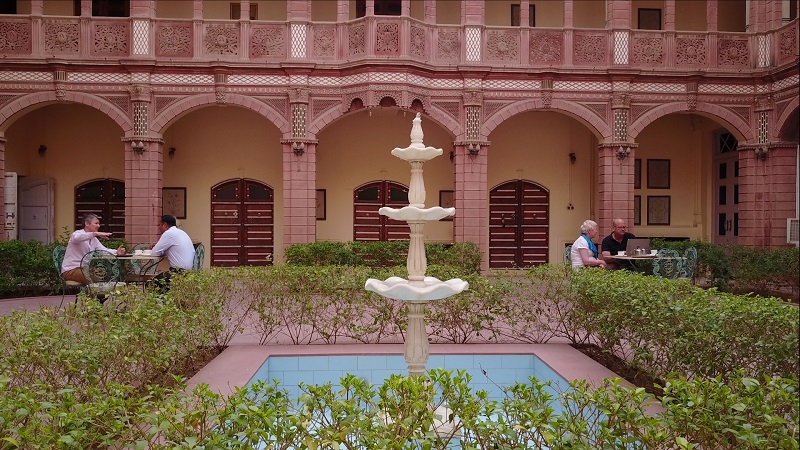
(667, 264)
(140, 271)
(199, 254)
(688, 263)
(58, 259)
(568, 256)
(103, 273)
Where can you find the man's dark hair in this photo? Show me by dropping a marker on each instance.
(88, 217)
(168, 219)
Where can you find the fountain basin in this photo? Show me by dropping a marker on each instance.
(414, 214)
(429, 288)
(417, 153)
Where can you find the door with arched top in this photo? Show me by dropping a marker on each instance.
(368, 225)
(519, 220)
(242, 223)
(106, 198)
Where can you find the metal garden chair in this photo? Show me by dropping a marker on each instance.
(103, 272)
(58, 259)
(199, 254)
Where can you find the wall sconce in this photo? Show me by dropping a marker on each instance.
(452, 156)
(298, 148)
(42, 150)
(473, 150)
(572, 158)
(623, 152)
(171, 152)
(138, 147)
(761, 152)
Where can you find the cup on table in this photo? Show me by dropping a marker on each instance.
(621, 253)
(146, 252)
(137, 252)
(653, 252)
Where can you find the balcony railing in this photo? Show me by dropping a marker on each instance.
(391, 39)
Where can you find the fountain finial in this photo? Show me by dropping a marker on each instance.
(416, 132)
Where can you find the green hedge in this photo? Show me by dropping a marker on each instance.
(464, 255)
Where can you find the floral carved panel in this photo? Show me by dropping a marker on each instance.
(546, 48)
(61, 36)
(356, 40)
(15, 37)
(111, 39)
(648, 49)
(418, 41)
(448, 45)
(324, 44)
(590, 48)
(787, 45)
(267, 40)
(174, 39)
(222, 40)
(387, 39)
(733, 52)
(690, 50)
(502, 45)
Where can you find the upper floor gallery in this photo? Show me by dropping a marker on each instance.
(725, 38)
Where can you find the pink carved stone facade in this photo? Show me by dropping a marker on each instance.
(302, 75)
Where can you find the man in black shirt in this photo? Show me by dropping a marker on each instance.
(615, 242)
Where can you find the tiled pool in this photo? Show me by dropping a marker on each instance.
(490, 372)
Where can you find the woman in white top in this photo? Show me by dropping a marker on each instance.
(584, 251)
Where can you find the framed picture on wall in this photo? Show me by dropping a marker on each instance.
(658, 209)
(637, 174)
(447, 200)
(637, 209)
(657, 174)
(321, 213)
(173, 201)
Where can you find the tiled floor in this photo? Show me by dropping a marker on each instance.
(240, 361)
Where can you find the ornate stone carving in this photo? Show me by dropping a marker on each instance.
(222, 40)
(589, 49)
(448, 45)
(787, 44)
(111, 39)
(764, 103)
(61, 91)
(299, 95)
(648, 50)
(546, 48)
(547, 99)
(502, 45)
(15, 37)
(732, 52)
(174, 40)
(387, 38)
(268, 41)
(221, 93)
(691, 101)
(60, 36)
(140, 93)
(473, 98)
(418, 41)
(355, 39)
(621, 100)
(324, 40)
(690, 51)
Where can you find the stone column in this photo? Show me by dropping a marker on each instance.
(299, 176)
(3, 178)
(669, 15)
(616, 167)
(144, 166)
(430, 11)
(712, 13)
(569, 11)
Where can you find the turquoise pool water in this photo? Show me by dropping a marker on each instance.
(489, 372)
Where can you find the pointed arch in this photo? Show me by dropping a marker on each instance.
(595, 123)
(166, 117)
(19, 106)
(725, 115)
(780, 122)
(431, 111)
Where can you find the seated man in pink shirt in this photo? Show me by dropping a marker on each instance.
(82, 242)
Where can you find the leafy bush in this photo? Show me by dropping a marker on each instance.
(26, 267)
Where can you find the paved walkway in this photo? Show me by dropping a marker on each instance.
(239, 362)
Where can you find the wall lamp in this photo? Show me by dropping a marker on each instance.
(623, 152)
(761, 152)
(572, 158)
(473, 150)
(42, 150)
(171, 152)
(138, 147)
(298, 148)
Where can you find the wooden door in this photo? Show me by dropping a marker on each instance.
(726, 190)
(368, 225)
(242, 223)
(36, 199)
(519, 218)
(106, 198)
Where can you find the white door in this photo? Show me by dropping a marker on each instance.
(726, 190)
(36, 209)
(10, 210)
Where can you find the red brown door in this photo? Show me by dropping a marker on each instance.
(242, 217)
(519, 218)
(368, 225)
(106, 198)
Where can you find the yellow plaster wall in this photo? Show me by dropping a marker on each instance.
(732, 15)
(548, 13)
(323, 10)
(588, 14)
(357, 149)
(535, 146)
(267, 10)
(690, 15)
(216, 144)
(51, 7)
(174, 10)
(448, 12)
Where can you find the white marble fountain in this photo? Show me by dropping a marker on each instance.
(418, 290)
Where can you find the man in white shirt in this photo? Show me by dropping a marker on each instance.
(177, 246)
(82, 242)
